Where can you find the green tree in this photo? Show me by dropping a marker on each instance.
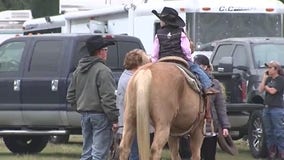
(14, 4)
(39, 8)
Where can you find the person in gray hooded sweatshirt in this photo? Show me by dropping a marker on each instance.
(92, 92)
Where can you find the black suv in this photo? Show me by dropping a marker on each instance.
(34, 75)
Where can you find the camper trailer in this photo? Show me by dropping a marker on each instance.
(11, 23)
(206, 20)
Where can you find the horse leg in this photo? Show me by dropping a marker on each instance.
(126, 141)
(160, 139)
(174, 147)
(196, 140)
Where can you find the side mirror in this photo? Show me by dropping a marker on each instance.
(225, 64)
(243, 68)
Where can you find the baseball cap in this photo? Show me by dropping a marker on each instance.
(273, 64)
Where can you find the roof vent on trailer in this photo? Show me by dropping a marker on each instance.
(96, 26)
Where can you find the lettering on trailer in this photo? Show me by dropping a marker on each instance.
(235, 9)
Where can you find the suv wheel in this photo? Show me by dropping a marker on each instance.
(256, 137)
(25, 144)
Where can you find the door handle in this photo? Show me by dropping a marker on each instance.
(17, 85)
(54, 85)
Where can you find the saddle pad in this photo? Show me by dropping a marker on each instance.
(174, 59)
(191, 79)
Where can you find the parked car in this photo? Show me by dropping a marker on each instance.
(35, 72)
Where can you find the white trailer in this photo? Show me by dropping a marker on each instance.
(206, 20)
(11, 23)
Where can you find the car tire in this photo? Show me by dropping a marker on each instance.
(59, 139)
(25, 144)
(256, 138)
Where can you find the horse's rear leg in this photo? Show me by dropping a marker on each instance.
(196, 140)
(126, 141)
(174, 147)
(160, 139)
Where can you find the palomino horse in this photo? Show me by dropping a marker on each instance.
(159, 93)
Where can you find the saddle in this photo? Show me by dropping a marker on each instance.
(182, 65)
(174, 59)
(195, 84)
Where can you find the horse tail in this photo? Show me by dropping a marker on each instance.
(143, 82)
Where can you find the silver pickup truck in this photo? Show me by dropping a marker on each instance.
(239, 64)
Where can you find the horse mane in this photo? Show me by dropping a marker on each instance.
(143, 81)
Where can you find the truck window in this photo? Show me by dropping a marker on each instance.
(10, 56)
(240, 56)
(266, 52)
(81, 51)
(123, 48)
(112, 57)
(116, 54)
(222, 51)
(46, 56)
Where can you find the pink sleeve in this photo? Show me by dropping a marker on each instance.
(156, 50)
(185, 46)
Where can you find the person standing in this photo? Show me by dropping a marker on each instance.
(171, 40)
(219, 115)
(273, 114)
(218, 111)
(92, 92)
(132, 61)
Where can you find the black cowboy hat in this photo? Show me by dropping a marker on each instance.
(227, 144)
(97, 42)
(170, 17)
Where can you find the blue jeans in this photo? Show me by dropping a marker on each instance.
(97, 136)
(134, 154)
(273, 122)
(204, 78)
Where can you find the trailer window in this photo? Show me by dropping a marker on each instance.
(209, 27)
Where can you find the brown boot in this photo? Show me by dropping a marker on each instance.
(210, 91)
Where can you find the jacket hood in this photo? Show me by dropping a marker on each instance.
(87, 62)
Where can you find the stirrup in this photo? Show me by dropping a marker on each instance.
(211, 133)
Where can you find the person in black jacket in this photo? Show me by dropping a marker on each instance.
(218, 112)
(219, 115)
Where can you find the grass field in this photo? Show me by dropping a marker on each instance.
(72, 150)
